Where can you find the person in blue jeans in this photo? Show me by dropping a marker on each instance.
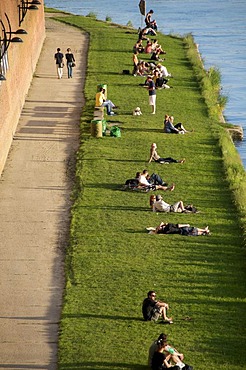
(101, 101)
(70, 62)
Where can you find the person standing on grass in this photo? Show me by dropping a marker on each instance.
(135, 63)
(59, 62)
(152, 309)
(70, 63)
(152, 93)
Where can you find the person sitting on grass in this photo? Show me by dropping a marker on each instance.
(170, 128)
(149, 22)
(156, 46)
(143, 68)
(138, 47)
(176, 357)
(160, 360)
(148, 47)
(156, 55)
(163, 70)
(182, 229)
(101, 101)
(154, 156)
(154, 180)
(160, 82)
(149, 183)
(146, 31)
(153, 309)
(163, 360)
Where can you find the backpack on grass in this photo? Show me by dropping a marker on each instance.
(115, 131)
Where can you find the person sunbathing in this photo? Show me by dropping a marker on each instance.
(154, 156)
(182, 229)
(154, 181)
(159, 205)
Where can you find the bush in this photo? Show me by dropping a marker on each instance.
(108, 18)
(92, 15)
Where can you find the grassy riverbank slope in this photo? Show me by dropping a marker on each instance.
(112, 262)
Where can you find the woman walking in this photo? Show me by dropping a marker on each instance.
(70, 63)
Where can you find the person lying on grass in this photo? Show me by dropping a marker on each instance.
(182, 229)
(154, 180)
(176, 357)
(144, 181)
(154, 156)
(159, 205)
(153, 309)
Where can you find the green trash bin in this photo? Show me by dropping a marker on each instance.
(96, 128)
(104, 127)
(104, 86)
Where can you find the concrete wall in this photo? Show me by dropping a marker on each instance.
(21, 59)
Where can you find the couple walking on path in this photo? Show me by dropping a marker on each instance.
(59, 58)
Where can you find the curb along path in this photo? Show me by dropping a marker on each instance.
(35, 204)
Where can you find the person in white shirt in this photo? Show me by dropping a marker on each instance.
(163, 70)
(146, 180)
(161, 206)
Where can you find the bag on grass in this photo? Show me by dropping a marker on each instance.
(115, 131)
(191, 208)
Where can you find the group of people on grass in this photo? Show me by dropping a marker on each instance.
(143, 181)
(153, 70)
(161, 354)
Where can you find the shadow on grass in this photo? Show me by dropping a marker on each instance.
(125, 160)
(106, 317)
(117, 160)
(141, 129)
(114, 187)
(102, 366)
(119, 208)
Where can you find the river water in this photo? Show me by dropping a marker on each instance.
(219, 27)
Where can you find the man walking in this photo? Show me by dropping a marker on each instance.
(59, 63)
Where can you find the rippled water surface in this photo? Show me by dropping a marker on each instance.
(219, 27)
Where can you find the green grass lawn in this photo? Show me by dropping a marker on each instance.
(112, 262)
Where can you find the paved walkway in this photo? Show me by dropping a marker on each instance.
(34, 207)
